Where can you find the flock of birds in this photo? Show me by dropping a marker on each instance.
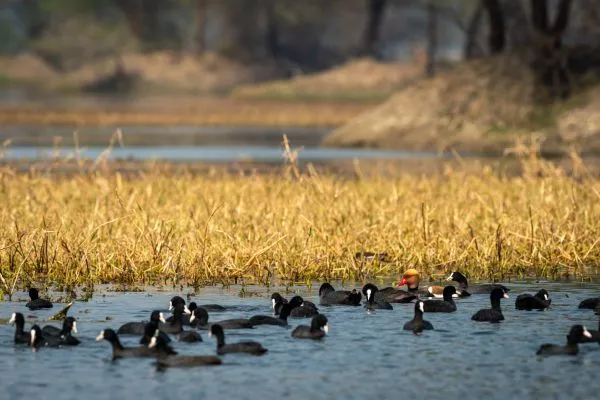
(156, 334)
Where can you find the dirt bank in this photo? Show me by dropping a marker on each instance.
(480, 107)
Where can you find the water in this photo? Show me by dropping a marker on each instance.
(364, 355)
(187, 143)
(216, 153)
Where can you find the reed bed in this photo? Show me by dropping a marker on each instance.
(289, 226)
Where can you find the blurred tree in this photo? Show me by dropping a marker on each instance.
(497, 32)
(550, 62)
(375, 13)
(200, 13)
(472, 48)
(432, 33)
(272, 28)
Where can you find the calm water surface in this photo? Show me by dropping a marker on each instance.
(365, 356)
(217, 153)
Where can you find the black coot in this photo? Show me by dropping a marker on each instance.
(394, 295)
(277, 302)
(463, 284)
(418, 324)
(374, 300)
(65, 334)
(167, 357)
(591, 303)
(493, 314)
(283, 315)
(447, 305)
(175, 327)
(149, 330)
(118, 351)
(317, 330)
(329, 296)
(137, 328)
(199, 320)
(575, 336)
(37, 339)
(35, 302)
(306, 309)
(540, 301)
(185, 318)
(176, 301)
(248, 347)
(213, 307)
(21, 336)
(477, 289)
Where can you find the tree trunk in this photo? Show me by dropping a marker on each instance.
(272, 29)
(497, 38)
(200, 11)
(431, 39)
(550, 63)
(375, 13)
(472, 49)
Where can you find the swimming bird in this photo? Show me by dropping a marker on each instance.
(447, 305)
(484, 288)
(411, 278)
(305, 310)
(37, 339)
(317, 330)
(213, 307)
(418, 324)
(590, 303)
(151, 327)
(374, 300)
(248, 347)
(149, 330)
(329, 296)
(175, 327)
(65, 334)
(493, 314)
(167, 357)
(137, 328)
(35, 302)
(176, 300)
(576, 334)
(20, 335)
(540, 301)
(118, 351)
(199, 320)
(595, 336)
(277, 302)
(394, 295)
(281, 320)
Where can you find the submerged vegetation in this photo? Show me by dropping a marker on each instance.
(161, 227)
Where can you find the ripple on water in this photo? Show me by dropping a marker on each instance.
(364, 356)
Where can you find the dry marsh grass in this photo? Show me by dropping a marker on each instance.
(203, 112)
(294, 226)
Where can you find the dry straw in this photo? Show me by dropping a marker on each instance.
(296, 225)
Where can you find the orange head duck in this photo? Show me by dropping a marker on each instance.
(410, 279)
